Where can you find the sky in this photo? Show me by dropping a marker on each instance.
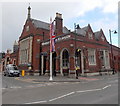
(98, 13)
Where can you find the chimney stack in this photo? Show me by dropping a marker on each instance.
(58, 24)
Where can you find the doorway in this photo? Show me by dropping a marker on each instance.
(78, 60)
(54, 63)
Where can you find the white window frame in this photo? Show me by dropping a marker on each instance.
(92, 58)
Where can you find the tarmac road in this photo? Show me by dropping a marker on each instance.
(90, 90)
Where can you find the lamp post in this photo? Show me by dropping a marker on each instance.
(114, 31)
(39, 43)
(76, 27)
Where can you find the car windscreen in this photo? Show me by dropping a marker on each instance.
(13, 68)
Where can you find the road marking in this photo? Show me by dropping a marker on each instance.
(62, 96)
(106, 86)
(91, 90)
(15, 87)
(36, 102)
(88, 90)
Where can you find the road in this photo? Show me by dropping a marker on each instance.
(103, 90)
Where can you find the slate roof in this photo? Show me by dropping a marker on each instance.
(81, 32)
(85, 28)
(65, 30)
(97, 35)
(44, 25)
(40, 24)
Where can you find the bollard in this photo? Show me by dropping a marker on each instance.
(23, 73)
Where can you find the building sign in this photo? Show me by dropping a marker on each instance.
(57, 39)
(45, 43)
(62, 38)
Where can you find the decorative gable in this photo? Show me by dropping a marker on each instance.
(102, 36)
(90, 32)
(90, 35)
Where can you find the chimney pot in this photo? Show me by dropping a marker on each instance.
(58, 15)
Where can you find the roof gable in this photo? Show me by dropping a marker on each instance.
(99, 36)
(102, 36)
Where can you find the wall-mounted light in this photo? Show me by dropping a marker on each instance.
(71, 45)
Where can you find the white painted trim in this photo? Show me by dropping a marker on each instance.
(104, 58)
(42, 65)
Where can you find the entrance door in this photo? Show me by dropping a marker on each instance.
(44, 66)
(54, 63)
(65, 62)
(78, 60)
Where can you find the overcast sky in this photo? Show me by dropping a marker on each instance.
(98, 13)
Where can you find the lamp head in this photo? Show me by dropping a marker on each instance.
(115, 32)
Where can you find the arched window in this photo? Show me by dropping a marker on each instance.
(65, 58)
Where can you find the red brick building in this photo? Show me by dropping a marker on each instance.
(9, 57)
(87, 50)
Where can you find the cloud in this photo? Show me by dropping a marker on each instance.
(110, 6)
(107, 24)
(106, 6)
(0, 27)
(15, 14)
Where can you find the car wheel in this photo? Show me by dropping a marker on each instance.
(4, 74)
(18, 75)
(8, 75)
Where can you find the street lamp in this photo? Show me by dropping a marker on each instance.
(114, 31)
(39, 42)
(76, 27)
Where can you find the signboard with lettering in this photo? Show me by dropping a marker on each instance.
(57, 39)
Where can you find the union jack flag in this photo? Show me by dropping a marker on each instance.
(52, 36)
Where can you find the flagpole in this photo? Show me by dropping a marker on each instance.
(50, 51)
(51, 67)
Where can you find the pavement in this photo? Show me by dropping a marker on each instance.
(59, 78)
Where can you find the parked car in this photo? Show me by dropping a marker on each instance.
(11, 70)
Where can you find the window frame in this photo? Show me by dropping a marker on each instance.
(92, 57)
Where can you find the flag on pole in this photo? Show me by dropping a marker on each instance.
(52, 36)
